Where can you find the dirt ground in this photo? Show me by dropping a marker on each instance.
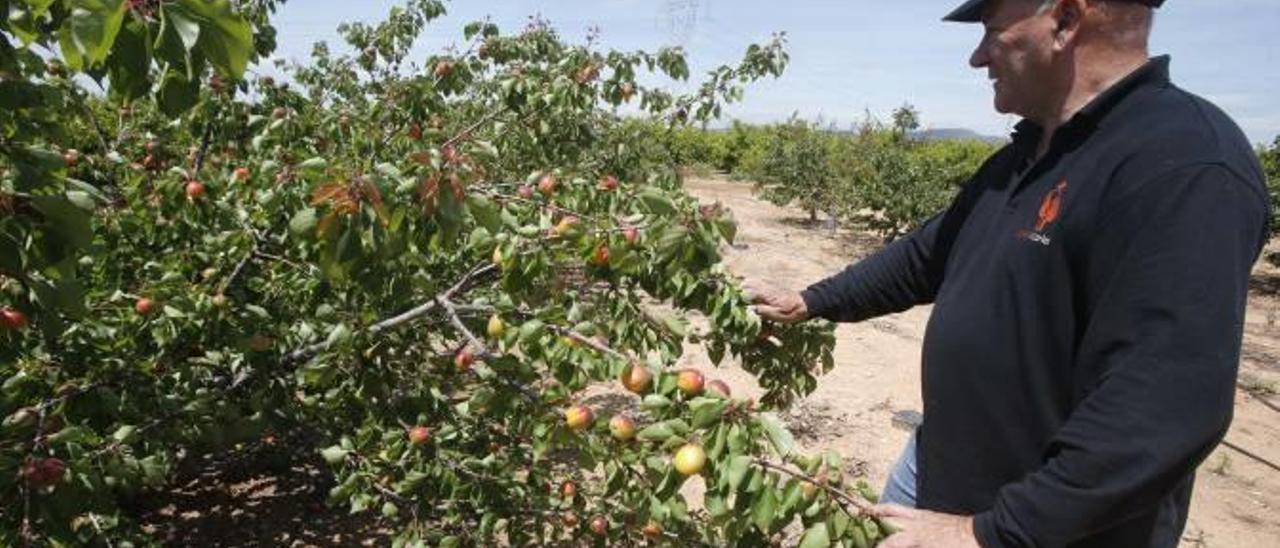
(1237, 499)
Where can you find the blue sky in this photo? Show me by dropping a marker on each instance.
(849, 57)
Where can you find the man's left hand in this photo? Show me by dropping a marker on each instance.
(925, 529)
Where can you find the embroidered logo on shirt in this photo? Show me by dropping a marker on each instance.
(1050, 210)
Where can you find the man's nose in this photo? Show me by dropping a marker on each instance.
(979, 57)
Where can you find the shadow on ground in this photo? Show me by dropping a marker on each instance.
(261, 497)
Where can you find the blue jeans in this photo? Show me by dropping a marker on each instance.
(900, 488)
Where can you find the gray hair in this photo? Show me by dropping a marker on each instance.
(1124, 22)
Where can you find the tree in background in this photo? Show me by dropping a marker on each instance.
(1270, 157)
(795, 167)
(906, 119)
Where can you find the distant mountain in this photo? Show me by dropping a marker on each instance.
(955, 134)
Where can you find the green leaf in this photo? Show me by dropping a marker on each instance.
(66, 219)
(485, 212)
(530, 329)
(655, 402)
(187, 27)
(303, 222)
(656, 432)
(334, 455)
(657, 202)
(313, 164)
(737, 470)
(124, 433)
(764, 510)
(707, 411)
(90, 30)
(177, 94)
(778, 435)
(716, 506)
(816, 536)
(225, 38)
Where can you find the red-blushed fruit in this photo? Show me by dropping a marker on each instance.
(690, 459)
(690, 382)
(609, 183)
(525, 191)
(600, 257)
(145, 306)
(568, 490)
(579, 417)
(566, 225)
(626, 91)
(71, 157)
(808, 490)
(622, 427)
(241, 174)
(152, 147)
(636, 378)
(570, 519)
(150, 163)
(587, 74)
(195, 190)
(12, 318)
(719, 387)
(443, 68)
(547, 184)
(651, 530)
(415, 132)
(46, 472)
(419, 435)
(450, 154)
(599, 526)
(279, 113)
(464, 359)
(631, 234)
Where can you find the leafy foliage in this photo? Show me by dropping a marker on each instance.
(423, 266)
(1270, 157)
(796, 166)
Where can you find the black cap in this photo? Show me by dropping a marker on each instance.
(971, 11)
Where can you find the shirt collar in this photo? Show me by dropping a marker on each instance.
(1154, 73)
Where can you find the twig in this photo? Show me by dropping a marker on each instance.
(474, 126)
(1259, 397)
(452, 310)
(205, 141)
(1252, 455)
(419, 311)
(862, 507)
(239, 270)
(589, 342)
(97, 129)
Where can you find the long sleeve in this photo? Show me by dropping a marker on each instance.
(1163, 336)
(905, 273)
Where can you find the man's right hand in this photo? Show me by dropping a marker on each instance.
(777, 305)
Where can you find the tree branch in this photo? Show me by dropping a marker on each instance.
(862, 508)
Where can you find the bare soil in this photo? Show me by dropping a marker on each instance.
(877, 373)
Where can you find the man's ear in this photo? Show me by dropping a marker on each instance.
(1068, 17)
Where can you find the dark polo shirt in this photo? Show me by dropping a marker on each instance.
(1081, 357)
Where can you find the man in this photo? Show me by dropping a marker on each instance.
(1089, 289)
